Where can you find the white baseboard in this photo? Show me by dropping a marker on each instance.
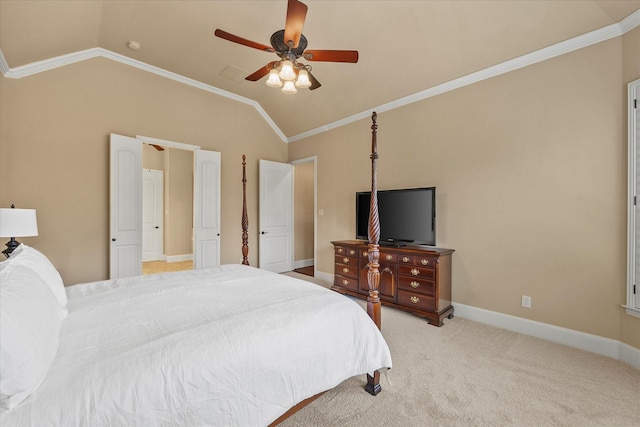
(593, 343)
(327, 277)
(178, 258)
(576, 339)
(303, 263)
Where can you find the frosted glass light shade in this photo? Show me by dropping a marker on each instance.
(289, 88)
(286, 72)
(274, 80)
(303, 79)
(18, 222)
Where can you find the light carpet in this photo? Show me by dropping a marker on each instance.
(470, 374)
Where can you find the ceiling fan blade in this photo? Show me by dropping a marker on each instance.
(296, 14)
(232, 38)
(331, 55)
(315, 84)
(261, 72)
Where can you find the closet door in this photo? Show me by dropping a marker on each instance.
(276, 216)
(206, 209)
(126, 207)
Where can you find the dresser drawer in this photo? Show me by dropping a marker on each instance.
(424, 261)
(386, 256)
(346, 282)
(417, 271)
(347, 270)
(421, 286)
(420, 301)
(346, 260)
(352, 252)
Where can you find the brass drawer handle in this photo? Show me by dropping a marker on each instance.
(415, 300)
(345, 260)
(415, 271)
(340, 250)
(424, 262)
(345, 270)
(352, 252)
(415, 284)
(405, 259)
(389, 257)
(365, 253)
(345, 282)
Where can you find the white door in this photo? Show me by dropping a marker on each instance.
(276, 216)
(152, 215)
(206, 209)
(125, 207)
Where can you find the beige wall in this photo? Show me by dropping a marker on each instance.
(303, 211)
(54, 153)
(530, 170)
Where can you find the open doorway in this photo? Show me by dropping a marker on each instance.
(167, 211)
(304, 218)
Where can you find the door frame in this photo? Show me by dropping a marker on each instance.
(314, 160)
(152, 141)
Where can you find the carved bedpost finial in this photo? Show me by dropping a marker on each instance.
(245, 217)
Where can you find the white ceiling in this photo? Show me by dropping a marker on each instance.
(405, 47)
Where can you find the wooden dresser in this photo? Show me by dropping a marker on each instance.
(412, 278)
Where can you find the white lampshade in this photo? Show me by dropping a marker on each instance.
(289, 88)
(286, 72)
(274, 79)
(303, 79)
(18, 222)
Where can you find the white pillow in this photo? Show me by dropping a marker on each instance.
(35, 260)
(30, 319)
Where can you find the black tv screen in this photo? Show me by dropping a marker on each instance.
(407, 216)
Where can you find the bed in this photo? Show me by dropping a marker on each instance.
(232, 345)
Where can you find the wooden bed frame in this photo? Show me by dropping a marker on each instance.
(373, 275)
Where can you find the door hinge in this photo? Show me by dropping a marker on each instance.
(634, 289)
(635, 103)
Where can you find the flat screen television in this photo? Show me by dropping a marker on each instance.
(407, 216)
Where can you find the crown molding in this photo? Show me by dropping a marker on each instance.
(603, 34)
(72, 58)
(570, 45)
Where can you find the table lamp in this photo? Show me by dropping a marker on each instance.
(17, 223)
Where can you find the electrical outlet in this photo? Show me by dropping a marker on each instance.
(526, 301)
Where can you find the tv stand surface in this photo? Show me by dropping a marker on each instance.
(416, 279)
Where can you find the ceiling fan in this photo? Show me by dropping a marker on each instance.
(290, 44)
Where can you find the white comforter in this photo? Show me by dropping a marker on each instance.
(229, 346)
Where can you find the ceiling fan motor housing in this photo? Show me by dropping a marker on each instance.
(278, 43)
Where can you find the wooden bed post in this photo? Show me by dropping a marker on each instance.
(373, 275)
(245, 217)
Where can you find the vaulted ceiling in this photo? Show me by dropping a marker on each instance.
(405, 47)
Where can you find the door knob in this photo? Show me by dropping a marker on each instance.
(157, 226)
(264, 232)
(113, 240)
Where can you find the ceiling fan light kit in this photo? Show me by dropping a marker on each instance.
(290, 44)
